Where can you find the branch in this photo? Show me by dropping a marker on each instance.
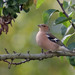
(40, 56)
(61, 5)
(28, 57)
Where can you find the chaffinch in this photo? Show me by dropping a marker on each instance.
(48, 41)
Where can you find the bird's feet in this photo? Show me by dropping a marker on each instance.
(42, 51)
(47, 52)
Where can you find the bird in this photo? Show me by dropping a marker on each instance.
(47, 41)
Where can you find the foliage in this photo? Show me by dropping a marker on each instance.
(10, 8)
(39, 2)
(47, 14)
(64, 19)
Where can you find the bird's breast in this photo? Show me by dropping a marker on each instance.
(45, 43)
(39, 38)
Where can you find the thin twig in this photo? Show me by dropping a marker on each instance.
(14, 63)
(42, 51)
(9, 65)
(6, 51)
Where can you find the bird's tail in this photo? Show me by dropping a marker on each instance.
(63, 48)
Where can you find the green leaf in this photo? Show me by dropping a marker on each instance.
(70, 3)
(12, 2)
(63, 30)
(73, 6)
(62, 19)
(10, 11)
(69, 9)
(68, 39)
(16, 8)
(26, 9)
(22, 1)
(71, 39)
(5, 12)
(67, 23)
(65, 4)
(70, 30)
(29, 3)
(72, 58)
(39, 3)
(9, 2)
(70, 14)
(71, 46)
(47, 15)
(61, 14)
(1, 3)
(73, 20)
(0, 11)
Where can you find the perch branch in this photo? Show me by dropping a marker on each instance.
(27, 57)
(61, 5)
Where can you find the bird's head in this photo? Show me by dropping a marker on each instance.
(44, 27)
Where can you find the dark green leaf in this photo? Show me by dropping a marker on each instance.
(71, 46)
(72, 58)
(26, 10)
(63, 30)
(65, 4)
(7, 11)
(22, 1)
(29, 3)
(1, 3)
(39, 3)
(47, 15)
(73, 20)
(12, 2)
(9, 2)
(14, 15)
(62, 19)
(16, 8)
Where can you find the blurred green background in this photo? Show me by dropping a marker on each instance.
(21, 38)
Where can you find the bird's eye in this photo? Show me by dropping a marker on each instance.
(44, 26)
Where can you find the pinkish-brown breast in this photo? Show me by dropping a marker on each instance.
(45, 43)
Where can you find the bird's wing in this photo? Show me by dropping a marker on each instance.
(54, 39)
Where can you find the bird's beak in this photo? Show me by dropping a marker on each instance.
(39, 25)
